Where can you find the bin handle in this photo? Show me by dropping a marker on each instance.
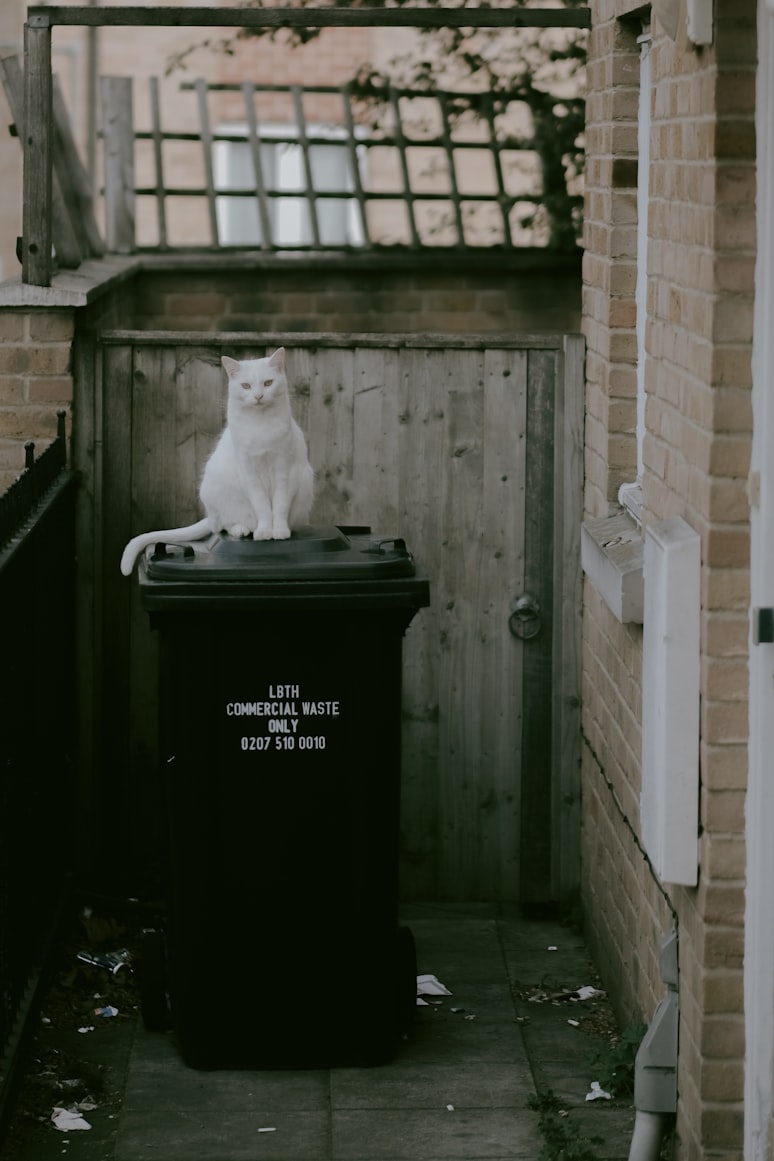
(398, 543)
(161, 551)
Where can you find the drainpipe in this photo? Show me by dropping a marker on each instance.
(655, 1066)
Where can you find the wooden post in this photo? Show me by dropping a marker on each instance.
(63, 232)
(38, 132)
(117, 124)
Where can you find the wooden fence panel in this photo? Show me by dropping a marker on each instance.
(450, 443)
(375, 437)
(464, 848)
(538, 799)
(505, 494)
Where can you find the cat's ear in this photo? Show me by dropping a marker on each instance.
(278, 359)
(230, 366)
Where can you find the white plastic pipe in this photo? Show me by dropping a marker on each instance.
(649, 1129)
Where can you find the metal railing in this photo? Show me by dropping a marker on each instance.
(37, 807)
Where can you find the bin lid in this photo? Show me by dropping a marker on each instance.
(315, 562)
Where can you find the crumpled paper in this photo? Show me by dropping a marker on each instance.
(597, 1092)
(430, 986)
(67, 1119)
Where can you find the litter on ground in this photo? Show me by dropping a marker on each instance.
(597, 1092)
(67, 1119)
(428, 985)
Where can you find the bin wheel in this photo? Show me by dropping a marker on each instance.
(152, 976)
(407, 980)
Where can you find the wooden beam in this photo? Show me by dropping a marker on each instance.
(448, 144)
(254, 141)
(63, 232)
(158, 158)
(506, 203)
(118, 126)
(74, 181)
(408, 192)
(354, 163)
(311, 198)
(209, 176)
(337, 17)
(37, 142)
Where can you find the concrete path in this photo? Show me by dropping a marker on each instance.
(462, 1087)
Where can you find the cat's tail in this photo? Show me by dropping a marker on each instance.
(171, 535)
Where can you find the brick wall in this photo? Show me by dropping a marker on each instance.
(540, 292)
(610, 258)
(35, 381)
(534, 292)
(696, 456)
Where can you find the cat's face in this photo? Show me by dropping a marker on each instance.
(256, 382)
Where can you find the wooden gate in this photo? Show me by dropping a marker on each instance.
(468, 447)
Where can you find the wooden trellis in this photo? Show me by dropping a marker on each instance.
(452, 127)
(38, 82)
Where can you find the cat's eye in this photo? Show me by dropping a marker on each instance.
(268, 382)
(245, 385)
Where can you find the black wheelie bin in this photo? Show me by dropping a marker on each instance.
(280, 727)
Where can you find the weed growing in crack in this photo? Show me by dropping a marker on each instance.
(562, 1139)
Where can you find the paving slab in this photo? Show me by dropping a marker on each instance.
(462, 1086)
(473, 1000)
(163, 1133)
(454, 1135)
(158, 1077)
(412, 1085)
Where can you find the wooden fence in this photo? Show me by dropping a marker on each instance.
(40, 173)
(468, 447)
(385, 166)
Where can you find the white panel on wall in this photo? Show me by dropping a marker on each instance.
(669, 802)
(700, 22)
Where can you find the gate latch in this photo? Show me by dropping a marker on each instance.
(525, 620)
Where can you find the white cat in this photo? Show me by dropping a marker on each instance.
(258, 481)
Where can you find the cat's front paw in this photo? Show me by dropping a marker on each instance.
(280, 532)
(263, 534)
(238, 531)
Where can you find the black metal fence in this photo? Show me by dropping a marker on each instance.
(37, 563)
